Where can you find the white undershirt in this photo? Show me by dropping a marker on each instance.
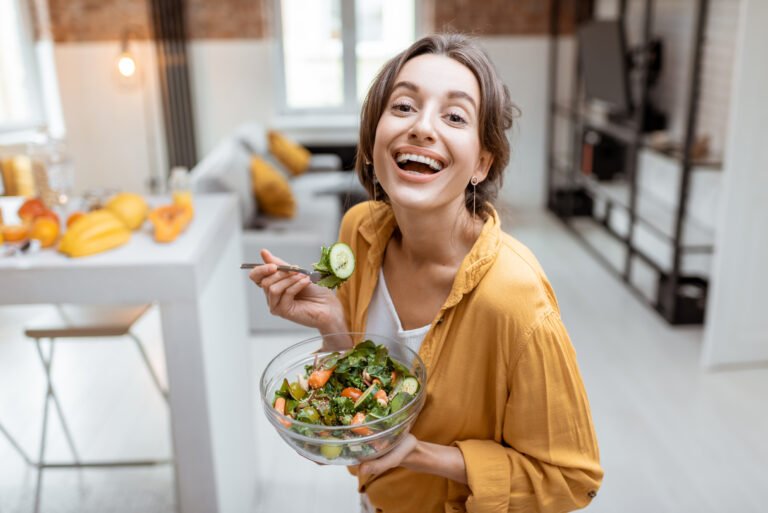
(383, 319)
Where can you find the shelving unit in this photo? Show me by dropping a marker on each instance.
(634, 234)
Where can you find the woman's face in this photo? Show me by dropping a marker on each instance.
(427, 145)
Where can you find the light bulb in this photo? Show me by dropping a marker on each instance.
(126, 65)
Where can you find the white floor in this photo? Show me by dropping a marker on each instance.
(673, 438)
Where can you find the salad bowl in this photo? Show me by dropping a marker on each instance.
(339, 405)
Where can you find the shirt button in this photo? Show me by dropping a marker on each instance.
(592, 494)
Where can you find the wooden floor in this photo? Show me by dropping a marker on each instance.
(673, 437)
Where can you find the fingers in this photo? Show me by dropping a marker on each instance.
(281, 293)
(257, 274)
(272, 259)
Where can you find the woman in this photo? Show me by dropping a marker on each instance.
(506, 425)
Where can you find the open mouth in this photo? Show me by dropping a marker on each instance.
(418, 164)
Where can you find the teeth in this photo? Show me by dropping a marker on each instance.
(403, 157)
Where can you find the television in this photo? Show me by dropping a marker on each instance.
(604, 66)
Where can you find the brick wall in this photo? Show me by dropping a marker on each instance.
(227, 19)
(105, 20)
(97, 20)
(502, 17)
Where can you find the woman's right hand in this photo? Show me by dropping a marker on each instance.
(292, 296)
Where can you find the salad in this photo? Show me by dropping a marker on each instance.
(336, 265)
(353, 388)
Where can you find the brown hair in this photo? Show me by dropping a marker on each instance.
(496, 113)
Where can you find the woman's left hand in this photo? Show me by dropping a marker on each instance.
(392, 459)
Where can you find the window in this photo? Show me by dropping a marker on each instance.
(332, 49)
(20, 105)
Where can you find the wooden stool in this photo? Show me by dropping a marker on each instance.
(82, 322)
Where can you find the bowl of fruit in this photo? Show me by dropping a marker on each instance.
(339, 404)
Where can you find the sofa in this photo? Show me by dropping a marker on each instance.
(321, 194)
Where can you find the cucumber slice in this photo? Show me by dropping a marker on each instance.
(399, 401)
(410, 385)
(342, 260)
(368, 392)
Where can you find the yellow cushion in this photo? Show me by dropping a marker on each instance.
(271, 189)
(293, 156)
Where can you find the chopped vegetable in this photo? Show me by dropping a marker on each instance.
(337, 263)
(280, 407)
(319, 378)
(331, 452)
(410, 385)
(359, 418)
(351, 392)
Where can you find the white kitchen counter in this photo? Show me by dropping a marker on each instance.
(200, 289)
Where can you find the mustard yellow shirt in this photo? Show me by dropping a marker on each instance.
(502, 385)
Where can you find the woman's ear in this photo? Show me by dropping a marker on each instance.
(483, 165)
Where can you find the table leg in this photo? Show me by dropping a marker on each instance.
(211, 391)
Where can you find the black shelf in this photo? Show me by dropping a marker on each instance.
(612, 217)
(655, 215)
(626, 132)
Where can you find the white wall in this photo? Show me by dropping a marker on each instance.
(737, 324)
(231, 83)
(522, 63)
(113, 127)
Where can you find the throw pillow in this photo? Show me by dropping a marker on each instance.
(271, 189)
(290, 154)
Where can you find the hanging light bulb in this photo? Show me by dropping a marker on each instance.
(126, 63)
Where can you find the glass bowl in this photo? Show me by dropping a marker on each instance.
(342, 444)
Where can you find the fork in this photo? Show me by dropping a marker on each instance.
(314, 276)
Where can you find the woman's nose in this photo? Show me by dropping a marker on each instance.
(423, 128)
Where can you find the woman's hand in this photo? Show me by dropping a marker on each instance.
(394, 458)
(292, 296)
(419, 456)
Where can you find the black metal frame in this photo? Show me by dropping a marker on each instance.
(567, 201)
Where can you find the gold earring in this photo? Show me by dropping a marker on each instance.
(375, 186)
(474, 181)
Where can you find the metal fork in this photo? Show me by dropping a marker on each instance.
(314, 276)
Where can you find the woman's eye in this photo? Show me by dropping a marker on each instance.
(456, 118)
(402, 107)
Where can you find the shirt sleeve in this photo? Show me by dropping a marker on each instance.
(548, 459)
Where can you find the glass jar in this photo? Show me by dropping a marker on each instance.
(178, 184)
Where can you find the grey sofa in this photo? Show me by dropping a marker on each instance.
(317, 192)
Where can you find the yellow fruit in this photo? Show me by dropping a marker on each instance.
(94, 232)
(74, 216)
(14, 232)
(46, 230)
(129, 207)
(98, 218)
(104, 242)
(170, 221)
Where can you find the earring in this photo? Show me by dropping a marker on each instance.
(474, 181)
(375, 186)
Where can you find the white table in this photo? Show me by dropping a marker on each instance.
(201, 293)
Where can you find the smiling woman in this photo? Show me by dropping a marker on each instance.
(506, 425)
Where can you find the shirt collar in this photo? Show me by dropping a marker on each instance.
(377, 228)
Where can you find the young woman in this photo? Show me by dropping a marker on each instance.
(506, 425)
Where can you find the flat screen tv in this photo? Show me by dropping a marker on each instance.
(603, 59)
